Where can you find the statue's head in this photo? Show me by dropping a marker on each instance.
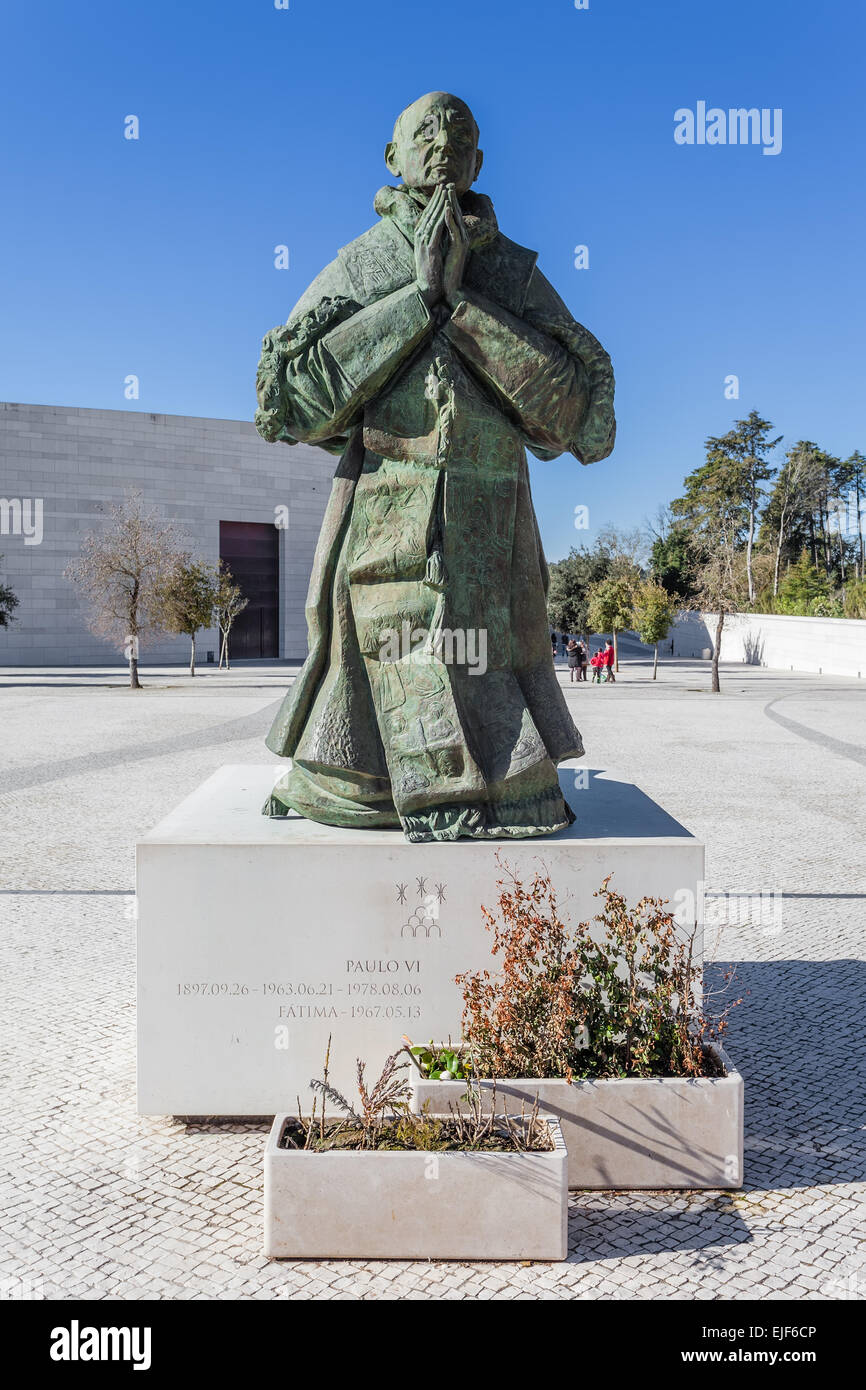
(435, 141)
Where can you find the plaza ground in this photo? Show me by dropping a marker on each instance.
(99, 1202)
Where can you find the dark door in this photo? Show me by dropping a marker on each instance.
(251, 551)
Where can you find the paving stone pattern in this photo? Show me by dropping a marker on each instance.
(98, 1202)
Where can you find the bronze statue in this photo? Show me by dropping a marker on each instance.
(428, 355)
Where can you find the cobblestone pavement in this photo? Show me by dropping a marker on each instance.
(98, 1202)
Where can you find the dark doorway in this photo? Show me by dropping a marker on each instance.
(251, 551)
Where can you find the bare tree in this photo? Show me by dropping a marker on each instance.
(119, 573)
(229, 601)
(722, 586)
(626, 550)
(788, 497)
(659, 527)
(715, 511)
(855, 479)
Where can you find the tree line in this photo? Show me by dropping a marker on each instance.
(750, 533)
(792, 533)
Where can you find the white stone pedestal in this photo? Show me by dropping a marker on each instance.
(258, 938)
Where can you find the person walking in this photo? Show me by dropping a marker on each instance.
(607, 661)
(554, 643)
(583, 658)
(572, 652)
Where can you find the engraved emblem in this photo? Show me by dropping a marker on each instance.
(423, 923)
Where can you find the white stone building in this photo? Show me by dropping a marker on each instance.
(227, 489)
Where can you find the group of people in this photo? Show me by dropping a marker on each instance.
(579, 659)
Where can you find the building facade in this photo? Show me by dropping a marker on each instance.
(258, 506)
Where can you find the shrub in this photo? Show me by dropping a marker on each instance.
(802, 586)
(826, 606)
(855, 600)
(617, 997)
(522, 1022)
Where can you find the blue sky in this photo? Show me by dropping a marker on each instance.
(261, 126)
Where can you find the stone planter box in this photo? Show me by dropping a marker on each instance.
(415, 1205)
(664, 1132)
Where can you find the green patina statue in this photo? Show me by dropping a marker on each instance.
(428, 355)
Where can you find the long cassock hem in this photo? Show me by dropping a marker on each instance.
(542, 812)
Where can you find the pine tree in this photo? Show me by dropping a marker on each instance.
(745, 449)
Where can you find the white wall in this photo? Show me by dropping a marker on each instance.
(833, 646)
(197, 472)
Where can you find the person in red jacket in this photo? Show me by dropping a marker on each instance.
(607, 660)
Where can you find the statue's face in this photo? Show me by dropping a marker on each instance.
(435, 141)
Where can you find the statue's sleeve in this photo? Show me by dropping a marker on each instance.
(317, 372)
(550, 371)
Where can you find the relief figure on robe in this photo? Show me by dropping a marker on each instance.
(429, 355)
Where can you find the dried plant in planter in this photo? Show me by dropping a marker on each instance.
(383, 1120)
(387, 1098)
(620, 997)
(472, 1126)
(521, 1022)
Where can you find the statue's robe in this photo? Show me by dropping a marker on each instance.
(429, 538)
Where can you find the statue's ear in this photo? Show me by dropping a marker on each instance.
(391, 157)
(479, 160)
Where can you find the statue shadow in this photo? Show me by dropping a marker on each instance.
(607, 807)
